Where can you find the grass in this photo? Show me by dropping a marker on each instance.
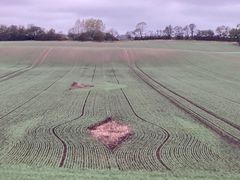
(26, 172)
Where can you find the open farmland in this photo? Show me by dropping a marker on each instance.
(179, 102)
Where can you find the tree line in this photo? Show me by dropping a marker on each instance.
(95, 30)
(188, 32)
(85, 30)
(32, 32)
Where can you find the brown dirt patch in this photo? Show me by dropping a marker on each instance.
(111, 132)
(76, 85)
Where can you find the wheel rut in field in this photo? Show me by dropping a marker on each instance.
(64, 142)
(19, 151)
(193, 103)
(201, 114)
(198, 112)
(166, 133)
(39, 60)
(35, 96)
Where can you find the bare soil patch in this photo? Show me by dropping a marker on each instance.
(77, 85)
(111, 132)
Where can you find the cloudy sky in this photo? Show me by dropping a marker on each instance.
(122, 15)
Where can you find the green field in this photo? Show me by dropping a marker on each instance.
(180, 98)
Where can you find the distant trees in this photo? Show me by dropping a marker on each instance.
(235, 33)
(87, 25)
(238, 29)
(192, 28)
(130, 35)
(168, 31)
(222, 33)
(94, 30)
(140, 28)
(90, 30)
(178, 32)
(93, 25)
(204, 35)
(186, 32)
(32, 32)
(113, 32)
(111, 35)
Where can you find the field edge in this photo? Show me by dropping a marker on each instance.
(23, 172)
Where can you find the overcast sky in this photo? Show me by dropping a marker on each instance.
(122, 15)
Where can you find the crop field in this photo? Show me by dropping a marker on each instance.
(136, 110)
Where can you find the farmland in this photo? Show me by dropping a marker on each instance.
(180, 100)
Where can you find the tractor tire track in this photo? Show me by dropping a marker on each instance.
(193, 103)
(35, 96)
(39, 60)
(192, 152)
(45, 149)
(158, 152)
(63, 142)
(232, 139)
(15, 151)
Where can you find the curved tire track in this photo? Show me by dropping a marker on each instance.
(63, 142)
(167, 134)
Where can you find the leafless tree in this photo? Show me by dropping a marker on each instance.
(159, 32)
(87, 25)
(205, 33)
(130, 35)
(192, 28)
(94, 25)
(168, 31)
(223, 31)
(178, 32)
(140, 28)
(113, 32)
(186, 32)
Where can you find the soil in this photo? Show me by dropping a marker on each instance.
(76, 85)
(111, 132)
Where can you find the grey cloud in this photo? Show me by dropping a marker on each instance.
(122, 15)
(13, 2)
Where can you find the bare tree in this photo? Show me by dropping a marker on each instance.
(140, 28)
(87, 25)
(223, 31)
(88, 30)
(168, 31)
(178, 32)
(192, 28)
(205, 33)
(186, 31)
(129, 35)
(238, 29)
(113, 32)
(159, 32)
(78, 27)
(93, 25)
